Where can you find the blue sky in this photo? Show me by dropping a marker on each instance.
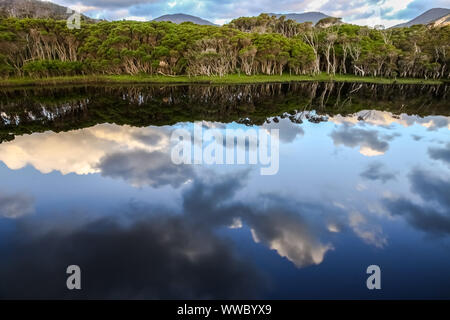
(363, 12)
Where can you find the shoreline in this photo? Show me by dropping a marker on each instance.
(228, 79)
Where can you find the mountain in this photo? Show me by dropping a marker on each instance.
(34, 9)
(444, 21)
(181, 17)
(430, 16)
(313, 17)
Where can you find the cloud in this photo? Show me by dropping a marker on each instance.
(433, 214)
(370, 142)
(80, 151)
(151, 253)
(287, 234)
(108, 4)
(148, 252)
(425, 218)
(377, 171)
(359, 11)
(368, 232)
(141, 168)
(288, 130)
(15, 205)
(281, 228)
(441, 154)
(387, 119)
(171, 255)
(431, 188)
(139, 156)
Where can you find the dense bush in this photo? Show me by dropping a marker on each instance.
(259, 45)
(45, 68)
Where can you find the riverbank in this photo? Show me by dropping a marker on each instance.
(228, 79)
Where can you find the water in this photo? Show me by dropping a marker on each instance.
(86, 179)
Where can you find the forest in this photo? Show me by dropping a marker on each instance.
(257, 45)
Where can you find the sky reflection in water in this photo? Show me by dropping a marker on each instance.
(366, 188)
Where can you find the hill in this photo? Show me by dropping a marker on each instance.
(34, 9)
(181, 17)
(430, 16)
(313, 17)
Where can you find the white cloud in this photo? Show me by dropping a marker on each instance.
(395, 6)
(79, 151)
(221, 21)
(369, 152)
(290, 237)
(79, 7)
(367, 231)
(385, 118)
(14, 206)
(136, 18)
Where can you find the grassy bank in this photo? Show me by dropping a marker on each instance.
(229, 79)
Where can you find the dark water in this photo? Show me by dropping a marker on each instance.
(86, 179)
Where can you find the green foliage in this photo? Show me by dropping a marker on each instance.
(46, 68)
(257, 45)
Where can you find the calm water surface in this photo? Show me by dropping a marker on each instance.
(86, 178)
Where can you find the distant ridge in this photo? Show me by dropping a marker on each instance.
(181, 17)
(427, 17)
(313, 17)
(35, 9)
